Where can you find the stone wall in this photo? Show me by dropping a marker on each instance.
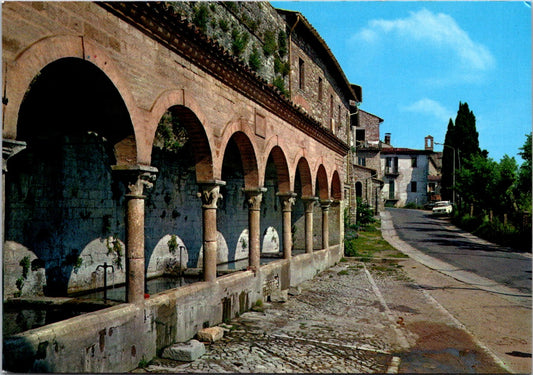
(66, 214)
(118, 338)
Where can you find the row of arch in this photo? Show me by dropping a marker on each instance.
(133, 140)
(66, 86)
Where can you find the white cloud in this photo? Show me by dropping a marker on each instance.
(437, 30)
(429, 107)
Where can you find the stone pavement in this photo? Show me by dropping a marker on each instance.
(353, 318)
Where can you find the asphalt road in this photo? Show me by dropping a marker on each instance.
(438, 238)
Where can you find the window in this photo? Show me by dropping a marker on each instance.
(414, 160)
(391, 165)
(360, 137)
(301, 73)
(339, 114)
(413, 186)
(361, 161)
(320, 89)
(391, 189)
(431, 187)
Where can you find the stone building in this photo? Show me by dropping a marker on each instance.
(145, 139)
(367, 171)
(409, 175)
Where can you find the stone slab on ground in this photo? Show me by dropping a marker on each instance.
(185, 352)
(211, 334)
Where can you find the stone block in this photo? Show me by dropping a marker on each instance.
(295, 291)
(279, 295)
(186, 352)
(211, 334)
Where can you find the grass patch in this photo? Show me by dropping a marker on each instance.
(368, 243)
(343, 272)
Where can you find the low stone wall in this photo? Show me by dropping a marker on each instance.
(118, 338)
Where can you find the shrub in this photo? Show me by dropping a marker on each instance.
(269, 43)
(255, 60)
(240, 41)
(365, 214)
(200, 17)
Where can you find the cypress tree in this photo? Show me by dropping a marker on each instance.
(447, 163)
(466, 138)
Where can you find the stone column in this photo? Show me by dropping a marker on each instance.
(136, 177)
(287, 201)
(309, 203)
(254, 198)
(210, 194)
(10, 148)
(339, 220)
(324, 204)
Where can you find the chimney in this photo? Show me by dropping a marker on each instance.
(387, 138)
(428, 143)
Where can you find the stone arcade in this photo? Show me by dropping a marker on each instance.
(86, 181)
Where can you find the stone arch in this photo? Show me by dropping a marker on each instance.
(248, 158)
(282, 169)
(77, 126)
(322, 183)
(305, 177)
(195, 121)
(241, 132)
(32, 60)
(199, 142)
(336, 190)
(72, 96)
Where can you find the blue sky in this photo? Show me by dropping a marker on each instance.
(417, 60)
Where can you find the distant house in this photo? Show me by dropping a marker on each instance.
(367, 171)
(410, 175)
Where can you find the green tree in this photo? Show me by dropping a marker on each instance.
(466, 137)
(476, 181)
(503, 189)
(448, 163)
(463, 139)
(523, 183)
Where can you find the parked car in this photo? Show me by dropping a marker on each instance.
(442, 208)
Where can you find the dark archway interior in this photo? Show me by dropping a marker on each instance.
(60, 194)
(232, 217)
(172, 207)
(358, 189)
(70, 97)
(271, 213)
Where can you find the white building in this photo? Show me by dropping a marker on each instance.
(405, 174)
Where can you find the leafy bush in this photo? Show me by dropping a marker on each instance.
(365, 214)
(239, 43)
(200, 17)
(255, 60)
(269, 46)
(279, 82)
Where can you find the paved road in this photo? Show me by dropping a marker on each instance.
(438, 238)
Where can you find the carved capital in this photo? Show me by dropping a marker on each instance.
(287, 200)
(325, 204)
(135, 177)
(309, 203)
(210, 193)
(10, 148)
(254, 198)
